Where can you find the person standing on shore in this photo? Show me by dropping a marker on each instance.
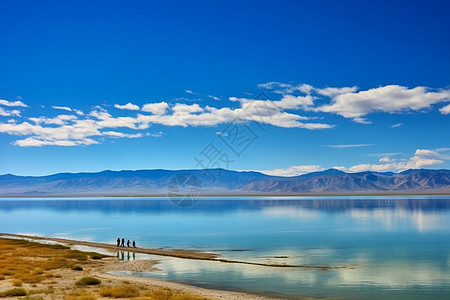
(118, 242)
(134, 244)
(128, 244)
(123, 242)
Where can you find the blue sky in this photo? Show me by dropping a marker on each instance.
(285, 87)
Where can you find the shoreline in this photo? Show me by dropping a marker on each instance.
(65, 286)
(104, 267)
(348, 194)
(178, 253)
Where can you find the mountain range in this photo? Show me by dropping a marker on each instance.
(224, 182)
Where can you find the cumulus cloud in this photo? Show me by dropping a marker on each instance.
(62, 108)
(350, 103)
(12, 103)
(32, 142)
(445, 110)
(286, 88)
(58, 120)
(128, 106)
(421, 158)
(9, 113)
(285, 111)
(294, 102)
(86, 129)
(386, 159)
(390, 98)
(181, 108)
(78, 132)
(273, 84)
(293, 170)
(333, 91)
(156, 108)
(122, 135)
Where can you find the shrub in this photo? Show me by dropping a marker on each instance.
(15, 292)
(88, 281)
(76, 268)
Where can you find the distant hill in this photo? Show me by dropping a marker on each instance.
(219, 181)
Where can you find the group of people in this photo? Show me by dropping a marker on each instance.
(122, 243)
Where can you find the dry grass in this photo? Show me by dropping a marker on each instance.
(46, 291)
(30, 262)
(122, 291)
(17, 282)
(82, 297)
(141, 293)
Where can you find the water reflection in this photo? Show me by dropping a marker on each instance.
(128, 257)
(221, 205)
(391, 247)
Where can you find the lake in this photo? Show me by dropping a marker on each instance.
(393, 247)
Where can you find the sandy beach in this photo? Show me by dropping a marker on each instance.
(62, 281)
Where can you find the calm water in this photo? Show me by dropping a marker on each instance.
(392, 247)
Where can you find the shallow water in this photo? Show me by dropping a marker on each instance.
(389, 247)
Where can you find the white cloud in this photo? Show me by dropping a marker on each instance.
(272, 84)
(62, 108)
(77, 133)
(12, 103)
(181, 108)
(348, 146)
(304, 88)
(361, 121)
(189, 92)
(58, 120)
(353, 104)
(128, 106)
(9, 113)
(426, 152)
(32, 142)
(271, 112)
(421, 158)
(294, 102)
(157, 134)
(156, 108)
(333, 91)
(445, 110)
(81, 129)
(215, 97)
(293, 170)
(106, 120)
(122, 135)
(390, 98)
(396, 125)
(385, 159)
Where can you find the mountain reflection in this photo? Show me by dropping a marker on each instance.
(220, 206)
